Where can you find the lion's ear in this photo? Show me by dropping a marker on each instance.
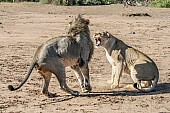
(87, 21)
(79, 17)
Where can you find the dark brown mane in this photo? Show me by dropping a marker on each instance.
(77, 26)
(79, 29)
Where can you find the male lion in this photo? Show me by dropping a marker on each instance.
(56, 54)
(125, 58)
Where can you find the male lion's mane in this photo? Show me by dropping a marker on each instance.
(79, 26)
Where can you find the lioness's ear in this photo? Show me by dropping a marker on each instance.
(70, 24)
(87, 21)
(107, 33)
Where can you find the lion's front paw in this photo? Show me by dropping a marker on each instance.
(113, 86)
(86, 89)
(75, 93)
(50, 95)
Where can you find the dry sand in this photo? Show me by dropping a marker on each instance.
(24, 26)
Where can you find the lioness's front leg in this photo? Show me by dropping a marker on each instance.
(113, 75)
(118, 73)
(85, 71)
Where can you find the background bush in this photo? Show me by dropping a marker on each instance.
(78, 2)
(6, 0)
(161, 3)
(154, 3)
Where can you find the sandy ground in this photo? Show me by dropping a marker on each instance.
(24, 26)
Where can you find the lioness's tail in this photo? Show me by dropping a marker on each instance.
(11, 88)
(153, 85)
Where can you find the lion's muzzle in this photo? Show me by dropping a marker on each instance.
(97, 39)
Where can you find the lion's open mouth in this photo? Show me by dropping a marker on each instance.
(98, 40)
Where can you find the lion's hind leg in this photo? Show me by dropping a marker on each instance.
(142, 84)
(47, 76)
(61, 76)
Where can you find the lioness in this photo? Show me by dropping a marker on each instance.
(56, 54)
(125, 58)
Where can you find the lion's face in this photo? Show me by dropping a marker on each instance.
(101, 38)
(78, 25)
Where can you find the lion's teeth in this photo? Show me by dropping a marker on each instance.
(98, 42)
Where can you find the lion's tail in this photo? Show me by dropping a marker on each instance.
(11, 88)
(153, 85)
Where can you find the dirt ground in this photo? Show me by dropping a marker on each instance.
(24, 26)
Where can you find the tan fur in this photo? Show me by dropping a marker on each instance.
(74, 50)
(124, 58)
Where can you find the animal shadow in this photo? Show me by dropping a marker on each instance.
(161, 88)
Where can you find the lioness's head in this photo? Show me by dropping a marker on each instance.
(101, 38)
(78, 25)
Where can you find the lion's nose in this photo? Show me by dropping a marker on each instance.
(94, 36)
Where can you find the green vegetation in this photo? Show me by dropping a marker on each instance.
(44, 1)
(98, 2)
(161, 3)
(154, 3)
(77, 2)
(6, 0)
(71, 2)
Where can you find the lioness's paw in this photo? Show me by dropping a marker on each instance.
(113, 86)
(129, 86)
